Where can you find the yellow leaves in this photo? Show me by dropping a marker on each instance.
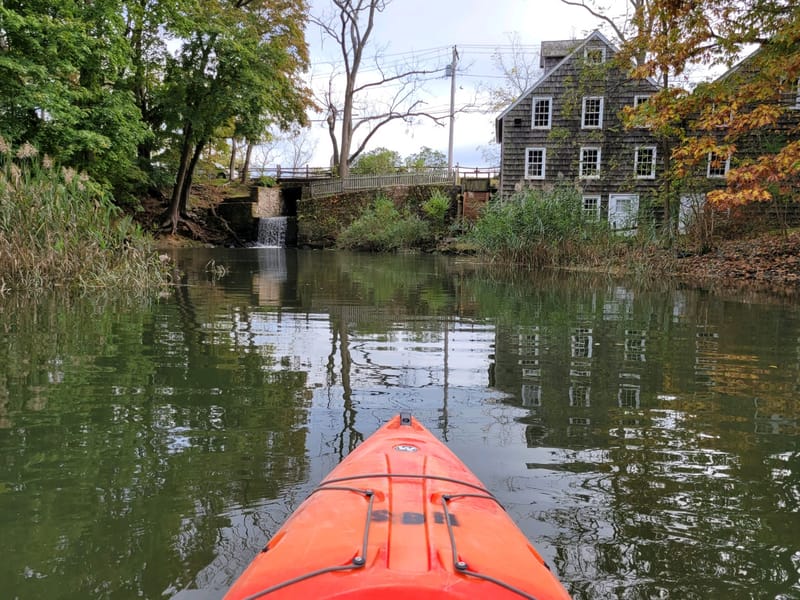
(728, 199)
(761, 179)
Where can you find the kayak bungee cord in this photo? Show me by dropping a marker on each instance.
(360, 560)
(357, 562)
(408, 519)
(410, 476)
(462, 566)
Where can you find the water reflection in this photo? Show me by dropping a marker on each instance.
(646, 440)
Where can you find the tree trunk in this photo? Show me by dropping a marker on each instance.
(187, 180)
(232, 165)
(246, 166)
(174, 210)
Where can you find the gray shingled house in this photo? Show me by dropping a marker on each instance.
(567, 128)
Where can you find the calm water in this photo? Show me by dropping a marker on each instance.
(648, 442)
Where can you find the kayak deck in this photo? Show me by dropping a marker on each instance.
(401, 516)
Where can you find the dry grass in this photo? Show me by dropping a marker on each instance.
(59, 228)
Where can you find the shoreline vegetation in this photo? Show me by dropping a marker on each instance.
(551, 231)
(59, 228)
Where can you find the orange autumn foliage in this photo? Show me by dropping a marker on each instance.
(747, 114)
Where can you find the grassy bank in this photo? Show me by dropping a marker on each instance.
(59, 228)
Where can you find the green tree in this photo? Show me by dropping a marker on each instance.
(60, 69)
(237, 60)
(426, 158)
(376, 162)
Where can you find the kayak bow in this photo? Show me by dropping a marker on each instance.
(400, 517)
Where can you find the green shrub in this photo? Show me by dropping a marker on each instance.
(539, 228)
(382, 227)
(58, 227)
(436, 208)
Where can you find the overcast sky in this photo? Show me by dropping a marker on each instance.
(426, 30)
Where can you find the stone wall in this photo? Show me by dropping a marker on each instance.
(266, 202)
(321, 219)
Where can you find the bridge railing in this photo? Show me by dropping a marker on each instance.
(319, 181)
(317, 189)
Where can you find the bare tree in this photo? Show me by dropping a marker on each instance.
(637, 17)
(298, 147)
(519, 66)
(364, 107)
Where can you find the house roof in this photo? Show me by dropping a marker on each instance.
(740, 64)
(556, 49)
(551, 49)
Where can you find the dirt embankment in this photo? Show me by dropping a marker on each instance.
(767, 261)
(203, 227)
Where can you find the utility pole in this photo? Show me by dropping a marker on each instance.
(452, 108)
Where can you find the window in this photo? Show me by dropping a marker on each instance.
(797, 95)
(592, 113)
(535, 159)
(531, 394)
(542, 113)
(591, 207)
(644, 163)
(589, 167)
(594, 56)
(580, 395)
(717, 166)
(582, 342)
(628, 396)
(640, 99)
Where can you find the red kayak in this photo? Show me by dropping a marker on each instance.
(400, 517)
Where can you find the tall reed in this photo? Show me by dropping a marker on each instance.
(59, 228)
(538, 229)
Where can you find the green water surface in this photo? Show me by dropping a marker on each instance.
(647, 440)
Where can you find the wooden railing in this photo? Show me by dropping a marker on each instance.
(318, 189)
(319, 181)
(279, 172)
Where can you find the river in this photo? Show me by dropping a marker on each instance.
(646, 439)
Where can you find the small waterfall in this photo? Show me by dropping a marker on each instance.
(272, 231)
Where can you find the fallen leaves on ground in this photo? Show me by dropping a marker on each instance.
(767, 260)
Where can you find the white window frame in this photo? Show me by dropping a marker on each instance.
(527, 162)
(594, 211)
(587, 52)
(797, 95)
(727, 167)
(549, 101)
(652, 174)
(596, 171)
(640, 99)
(600, 116)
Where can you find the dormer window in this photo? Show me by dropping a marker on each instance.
(592, 113)
(542, 113)
(594, 56)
